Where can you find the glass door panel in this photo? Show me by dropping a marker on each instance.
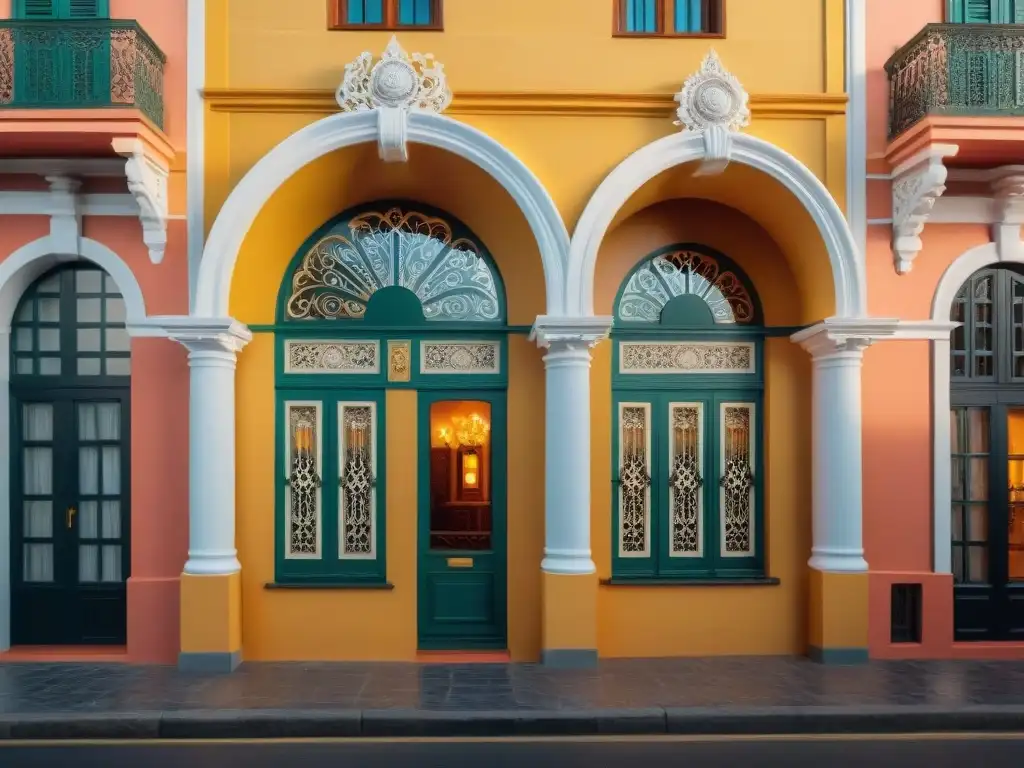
(1015, 477)
(38, 494)
(460, 476)
(970, 448)
(99, 493)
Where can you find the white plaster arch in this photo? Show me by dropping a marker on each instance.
(32, 260)
(346, 129)
(17, 272)
(687, 146)
(952, 280)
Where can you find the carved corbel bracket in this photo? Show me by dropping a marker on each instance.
(713, 104)
(916, 185)
(147, 183)
(844, 336)
(395, 85)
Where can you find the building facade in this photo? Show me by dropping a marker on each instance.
(467, 337)
(942, 426)
(93, 508)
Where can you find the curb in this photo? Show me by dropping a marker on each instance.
(397, 723)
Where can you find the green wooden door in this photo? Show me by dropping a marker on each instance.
(462, 525)
(65, 61)
(69, 513)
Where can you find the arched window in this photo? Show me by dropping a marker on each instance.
(688, 387)
(388, 295)
(70, 376)
(987, 455)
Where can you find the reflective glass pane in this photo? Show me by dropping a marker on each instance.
(37, 421)
(110, 566)
(88, 281)
(88, 563)
(49, 310)
(119, 366)
(49, 340)
(115, 310)
(88, 520)
(89, 366)
(118, 340)
(38, 563)
(88, 339)
(90, 310)
(460, 475)
(49, 366)
(38, 520)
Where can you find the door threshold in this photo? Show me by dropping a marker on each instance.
(463, 657)
(65, 653)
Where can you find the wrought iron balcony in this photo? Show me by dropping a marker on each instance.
(80, 65)
(972, 70)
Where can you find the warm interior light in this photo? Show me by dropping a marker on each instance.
(470, 465)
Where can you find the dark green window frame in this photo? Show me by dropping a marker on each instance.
(366, 325)
(688, 466)
(985, 11)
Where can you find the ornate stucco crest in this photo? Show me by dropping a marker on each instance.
(393, 86)
(714, 104)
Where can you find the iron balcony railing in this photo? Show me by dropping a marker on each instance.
(81, 65)
(957, 69)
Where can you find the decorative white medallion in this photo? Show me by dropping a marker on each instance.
(394, 85)
(686, 357)
(460, 357)
(332, 357)
(714, 104)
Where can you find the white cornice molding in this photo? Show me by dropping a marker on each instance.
(916, 185)
(551, 329)
(147, 183)
(835, 335)
(63, 166)
(197, 334)
(42, 204)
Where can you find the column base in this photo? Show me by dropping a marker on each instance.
(838, 614)
(211, 622)
(209, 662)
(569, 622)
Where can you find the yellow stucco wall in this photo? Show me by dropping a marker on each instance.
(386, 625)
(270, 70)
(687, 620)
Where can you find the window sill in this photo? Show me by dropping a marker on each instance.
(751, 581)
(672, 35)
(377, 585)
(385, 28)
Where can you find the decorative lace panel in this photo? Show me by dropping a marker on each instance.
(399, 361)
(683, 273)
(303, 497)
(332, 357)
(686, 357)
(686, 479)
(6, 66)
(357, 457)
(460, 357)
(634, 479)
(737, 482)
(379, 249)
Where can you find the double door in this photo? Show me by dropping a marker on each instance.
(987, 473)
(69, 517)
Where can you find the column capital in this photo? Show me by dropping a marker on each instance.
(223, 335)
(844, 337)
(563, 334)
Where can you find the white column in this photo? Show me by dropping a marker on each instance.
(567, 440)
(837, 484)
(942, 486)
(213, 347)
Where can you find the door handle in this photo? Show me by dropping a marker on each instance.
(70, 515)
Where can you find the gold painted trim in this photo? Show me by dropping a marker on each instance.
(765, 106)
(399, 361)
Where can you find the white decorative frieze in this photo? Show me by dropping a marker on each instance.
(332, 357)
(686, 357)
(916, 185)
(147, 183)
(393, 86)
(713, 104)
(460, 357)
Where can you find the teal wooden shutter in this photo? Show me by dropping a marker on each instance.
(35, 9)
(1017, 12)
(84, 9)
(414, 13)
(641, 16)
(365, 12)
(688, 16)
(973, 11)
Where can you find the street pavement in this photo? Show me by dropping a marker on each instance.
(724, 695)
(988, 750)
